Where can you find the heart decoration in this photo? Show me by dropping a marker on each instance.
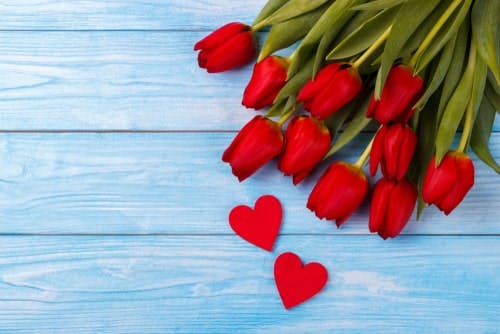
(258, 226)
(297, 283)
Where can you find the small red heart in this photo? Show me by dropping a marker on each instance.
(297, 283)
(259, 226)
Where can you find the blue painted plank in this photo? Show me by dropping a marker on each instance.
(219, 284)
(176, 183)
(115, 80)
(124, 14)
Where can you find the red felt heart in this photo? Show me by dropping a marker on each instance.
(259, 226)
(297, 283)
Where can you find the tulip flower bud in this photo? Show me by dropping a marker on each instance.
(338, 193)
(268, 77)
(447, 184)
(307, 140)
(393, 148)
(334, 86)
(230, 46)
(391, 206)
(400, 93)
(258, 142)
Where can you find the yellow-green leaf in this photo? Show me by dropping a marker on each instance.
(485, 28)
(364, 36)
(378, 4)
(286, 33)
(481, 134)
(409, 17)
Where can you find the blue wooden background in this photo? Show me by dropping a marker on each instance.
(114, 201)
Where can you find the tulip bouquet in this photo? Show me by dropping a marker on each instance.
(417, 73)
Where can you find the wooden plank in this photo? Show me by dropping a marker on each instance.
(176, 183)
(115, 80)
(216, 284)
(124, 14)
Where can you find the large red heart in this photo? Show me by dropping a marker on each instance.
(297, 283)
(259, 226)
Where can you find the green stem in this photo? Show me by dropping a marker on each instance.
(286, 116)
(364, 156)
(259, 25)
(382, 38)
(435, 29)
(469, 113)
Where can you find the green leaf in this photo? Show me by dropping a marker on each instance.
(295, 83)
(356, 125)
(426, 133)
(310, 42)
(276, 109)
(358, 19)
(337, 120)
(439, 73)
(455, 109)
(338, 19)
(292, 9)
(378, 4)
(443, 36)
(286, 33)
(423, 29)
(478, 85)
(481, 134)
(456, 68)
(485, 28)
(364, 36)
(492, 95)
(409, 17)
(270, 7)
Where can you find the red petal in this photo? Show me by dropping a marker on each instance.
(221, 35)
(341, 89)
(380, 201)
(312, 86)
(400, 90)
(401, 206)
(464, 183)
(439, 180)
(376, 151)
(235, 52)
(268, 77)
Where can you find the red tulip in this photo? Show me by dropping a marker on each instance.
(334, 86)
(258, 141)
(400, 93)
(338, 192)
(307, 140)
(391, 207)
(268, 77)
(447, 184)
(230, 46)
(393, 149)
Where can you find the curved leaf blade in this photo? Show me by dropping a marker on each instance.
(485, 28)
(363, 37)
(409, 17)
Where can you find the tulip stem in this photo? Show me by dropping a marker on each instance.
(364, 156)
(381, 40)
(286, 116)
(469, 112)
(435, 29)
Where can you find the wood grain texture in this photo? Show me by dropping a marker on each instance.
(214, 284)
(113, 80)
(176, 183)
(124, 14)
